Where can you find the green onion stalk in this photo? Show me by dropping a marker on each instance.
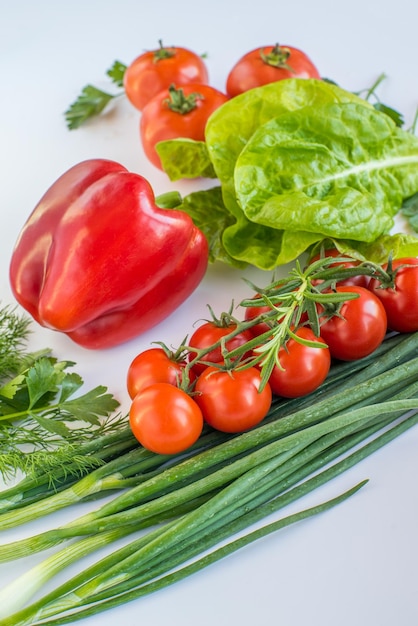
(241, 502)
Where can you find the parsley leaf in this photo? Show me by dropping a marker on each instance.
(89, 103)
(92, 100)
(117, 72)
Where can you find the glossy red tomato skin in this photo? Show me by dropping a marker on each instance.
(356, 281)
(251, 312)
(401, 303)
(231, 401)
(154, 366)
(159, 123)
(165, 419)
(209, 333)
(145, 77)
(304, 368)
(360, 330)
(252, 71)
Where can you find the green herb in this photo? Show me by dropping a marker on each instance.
(92, 101)
(14, 333)
(117, 72)
(43, 417)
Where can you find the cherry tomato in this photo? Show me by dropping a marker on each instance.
(231, 401)
(155, 70)
(304, 367)
(154, 366)
(401, 302)
(360, 281)
(268, 65)
(210, 333)
(251, 312)
(164, 419)
(177, 112)
(360, 329)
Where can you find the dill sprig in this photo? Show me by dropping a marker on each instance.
(44, 417)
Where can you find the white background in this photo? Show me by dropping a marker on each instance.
(356, 564)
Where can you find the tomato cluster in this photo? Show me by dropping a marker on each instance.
(170, 86)
(218, 378)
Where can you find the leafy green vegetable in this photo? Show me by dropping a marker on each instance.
(398, 245)
(299, 161)
(39, 413)
(185, 158)
(338, 170)
(198, 204)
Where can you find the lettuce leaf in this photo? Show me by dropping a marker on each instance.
(341, 170)
(207, 210)
(185, 158)
(228, 131)
(397, 245)
(297, 161)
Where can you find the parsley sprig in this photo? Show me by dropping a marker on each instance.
(92, 101)
(42, 410)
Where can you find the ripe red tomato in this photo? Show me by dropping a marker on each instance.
(401, 303)
(164, 419)
(304, 367)
(268, 65)
(251, 312)
(231, 401)
(360, 281)
(209, 333)
(360, 328)
(156, 70)
(154, 366)
(177, 112)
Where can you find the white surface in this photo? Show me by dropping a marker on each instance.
(356, 564)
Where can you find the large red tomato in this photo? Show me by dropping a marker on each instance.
(268, 65)
(177, 112)
(155, 70)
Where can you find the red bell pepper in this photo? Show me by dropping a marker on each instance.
(99, 261)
